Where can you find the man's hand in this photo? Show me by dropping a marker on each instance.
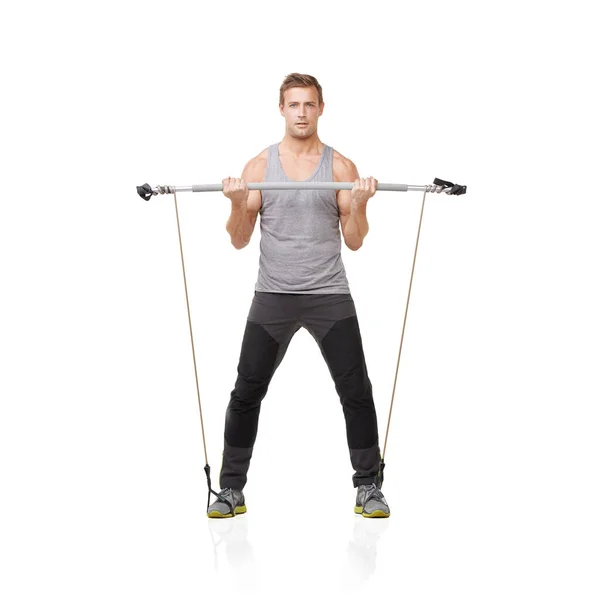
(236, 190)
(363, 189)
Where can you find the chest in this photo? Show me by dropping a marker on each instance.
(299, 169)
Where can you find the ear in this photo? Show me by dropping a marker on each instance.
(281, 109)
(321, 109)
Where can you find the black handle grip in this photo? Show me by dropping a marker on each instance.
(145, 191)
(456, 190)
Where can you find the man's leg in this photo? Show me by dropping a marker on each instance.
(269, 330)
(334, 325)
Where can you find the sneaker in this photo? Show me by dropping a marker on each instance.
(370, 502)
(221, 510)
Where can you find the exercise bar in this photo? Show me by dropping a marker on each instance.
(439, 185)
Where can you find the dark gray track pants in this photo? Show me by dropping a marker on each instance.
(273, 320)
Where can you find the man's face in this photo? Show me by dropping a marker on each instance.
(301, 111)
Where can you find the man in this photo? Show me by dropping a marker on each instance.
(301, 283)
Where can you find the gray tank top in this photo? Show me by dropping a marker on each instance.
(300, 243)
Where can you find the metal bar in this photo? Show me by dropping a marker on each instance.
(295, 185)
(146, 192)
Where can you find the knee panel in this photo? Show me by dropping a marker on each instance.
(256, 364)
(342, 349)
(343, 352)
(255, 370)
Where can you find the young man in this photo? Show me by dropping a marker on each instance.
(301, 283)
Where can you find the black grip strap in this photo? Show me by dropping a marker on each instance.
(145, 191)
(211, 491)
(456, 190)
(380, 474)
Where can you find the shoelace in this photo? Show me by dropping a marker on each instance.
(373, 492)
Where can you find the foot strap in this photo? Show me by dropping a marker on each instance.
(379, 481)
(211, 491)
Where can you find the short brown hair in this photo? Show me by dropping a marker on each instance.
(299, 80)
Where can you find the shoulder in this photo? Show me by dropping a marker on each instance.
(256, 167)
(343, 168)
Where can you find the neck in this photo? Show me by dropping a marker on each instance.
(298, 146)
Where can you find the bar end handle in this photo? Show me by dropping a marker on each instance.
(451, 188)
(145, 191)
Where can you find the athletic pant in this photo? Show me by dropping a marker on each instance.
(273, 320)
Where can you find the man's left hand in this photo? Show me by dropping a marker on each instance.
(363, 189)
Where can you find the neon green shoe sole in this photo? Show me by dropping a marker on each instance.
(376, 514)
(215, 514)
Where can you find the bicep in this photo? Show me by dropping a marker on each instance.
(348, 173)
(253, 173)
(343, 202)
(254, 204)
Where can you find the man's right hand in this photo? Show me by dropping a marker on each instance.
(236, 190)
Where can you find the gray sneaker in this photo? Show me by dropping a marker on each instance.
(370, 502)
(221, 510)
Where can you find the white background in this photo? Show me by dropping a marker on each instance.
(492, 461)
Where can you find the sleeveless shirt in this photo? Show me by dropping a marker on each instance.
(300, 243)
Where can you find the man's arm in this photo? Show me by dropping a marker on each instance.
(352, 206)
(245, 204)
